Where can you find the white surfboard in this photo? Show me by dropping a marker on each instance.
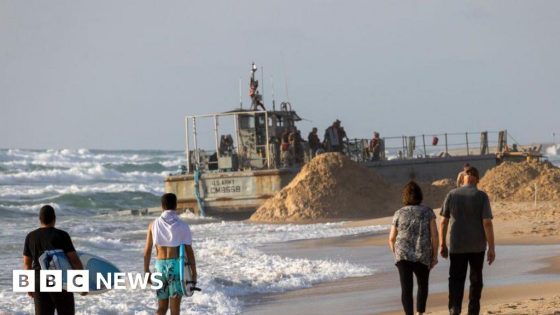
(185, 274)
(57, 260)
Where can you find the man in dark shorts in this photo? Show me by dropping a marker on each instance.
(466, 210)
(47, 237)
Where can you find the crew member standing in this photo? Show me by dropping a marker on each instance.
(314, 142)
(333, 137)
(375, 147)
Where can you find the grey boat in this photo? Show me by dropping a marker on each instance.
(246, 164)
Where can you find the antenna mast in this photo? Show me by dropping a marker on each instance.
(285, 79)
(273, 100)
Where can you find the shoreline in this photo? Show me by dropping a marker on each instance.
(525, 276)
(380, 293)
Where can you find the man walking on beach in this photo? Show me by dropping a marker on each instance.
(168, 232)
(47, 237)
(466, 211)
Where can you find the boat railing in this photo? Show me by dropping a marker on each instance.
(430, 145)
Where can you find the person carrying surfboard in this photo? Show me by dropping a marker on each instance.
(45, 238)
(168, 233)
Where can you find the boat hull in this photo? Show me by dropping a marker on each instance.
(235, 194)
(239, 194)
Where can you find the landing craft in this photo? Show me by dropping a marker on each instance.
(253, 162)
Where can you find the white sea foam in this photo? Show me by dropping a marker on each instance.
(552, 151)
(172, 163)
(98, 242)
(65, 158)
(230, 256)
(48, 191)
(79, 175)
(27, 208)
(243, 233)
(230, 263)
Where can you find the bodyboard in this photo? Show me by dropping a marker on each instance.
(57, 260)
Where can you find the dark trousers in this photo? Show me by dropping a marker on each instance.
(47, 302)
(422, 272)
(457, 276)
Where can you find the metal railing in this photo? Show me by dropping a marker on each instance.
(192, 135)
(430, 145)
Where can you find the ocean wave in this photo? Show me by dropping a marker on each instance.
(77, 175)
(261, 273)
(553, 154)
(33, 194)
(29, 164)
(66, 158)
(553, 150)
(231, 266)
(19, 166)
(140, 167)
(93, 202)
(276, 233)
(99, 242)
(26, 210)
(123, 167)
(172, 163)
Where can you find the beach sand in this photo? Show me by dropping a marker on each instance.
(525, 279)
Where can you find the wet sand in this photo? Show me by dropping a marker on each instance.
(525, 279)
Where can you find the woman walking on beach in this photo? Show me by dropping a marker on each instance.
(414, 242)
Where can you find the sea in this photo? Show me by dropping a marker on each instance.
(552, 152)
(88, 188)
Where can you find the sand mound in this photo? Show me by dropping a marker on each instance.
(331, 186)
(517, 181)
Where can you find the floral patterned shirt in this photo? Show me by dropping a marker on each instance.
(414, 242)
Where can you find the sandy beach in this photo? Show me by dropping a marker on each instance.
(525, 279)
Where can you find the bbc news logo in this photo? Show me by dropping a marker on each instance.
(78, 281)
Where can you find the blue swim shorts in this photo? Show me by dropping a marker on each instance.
(169, 269)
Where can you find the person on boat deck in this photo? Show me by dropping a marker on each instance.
(333, 137)
(296, 146)
(286, 152)
(47, 237)
(168, 232)
(314, 142)
(375, 147)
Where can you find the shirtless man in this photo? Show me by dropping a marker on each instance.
(168, 232)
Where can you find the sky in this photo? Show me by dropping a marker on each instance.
(123, 74)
